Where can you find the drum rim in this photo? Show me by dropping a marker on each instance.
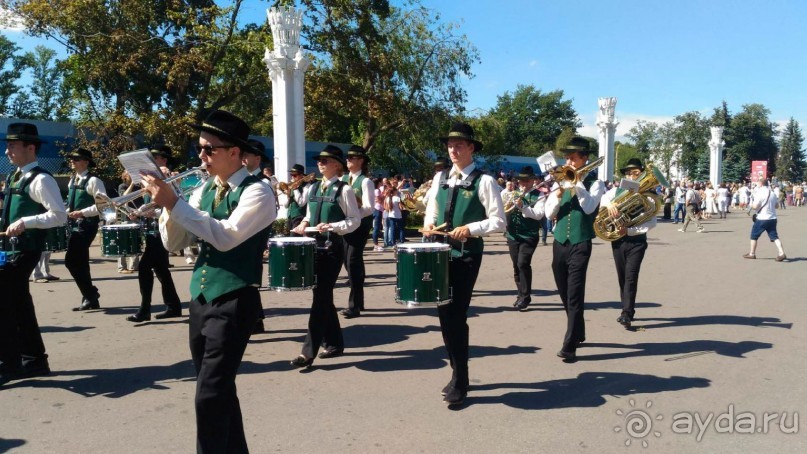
(126, 226)
(420, 247)
(284, 240)
(423, 303)
(291, 289)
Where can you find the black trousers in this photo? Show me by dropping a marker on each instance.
(77, 259)
(462, 274)
(323, 323)
(628, 256)
(521, 253)
(154, 261)
(219, 332)
(569, 266)
(355, 242)
(20, 339)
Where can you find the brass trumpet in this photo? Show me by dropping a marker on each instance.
(286, 188)
(104, 202)
(567, 176)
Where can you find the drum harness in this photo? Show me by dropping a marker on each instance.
(324, 240)
(9, 244)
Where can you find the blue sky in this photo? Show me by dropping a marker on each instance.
(659, 58)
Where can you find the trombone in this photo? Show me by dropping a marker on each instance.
(124, 202)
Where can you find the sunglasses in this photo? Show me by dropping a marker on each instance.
(324, 161)
(208, 149)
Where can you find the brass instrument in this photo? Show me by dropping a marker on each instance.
(512, 198)
(567, 176)
(103, 202)
(635, 208)
(286, 188)
(415, 202)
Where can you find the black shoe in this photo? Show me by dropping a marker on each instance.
(301, 362)
(350, 313)
(624, 320)
(171, 312)
(446, 389)
(331, 353)
(568, 357)
(522, 306)
(259, 328)
(88, 305)
(38, 368)
(138, 317)
(455, 396)
(516, 303)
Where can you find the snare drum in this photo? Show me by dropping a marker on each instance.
(291, 264)
(422, 274)
(56, 238)
(121, 240)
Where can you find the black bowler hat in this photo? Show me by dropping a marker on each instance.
(527, 173)
(227, 127)
(25, 132)
(257, 147)
(81, 153)
(442, 162)
(462, 131)
(633, 163)
(298, 169)
(333, 152)
(163, 151)
(577, 145)
(356, 151)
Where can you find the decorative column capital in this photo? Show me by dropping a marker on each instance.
(717, 137)
(607, 109)
(285, 22)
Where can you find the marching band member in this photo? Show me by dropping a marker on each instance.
(363, 187)
(32, 203)
(231, 214)
(154, 260)
(575, 209)
(523, 223)
(333, 210)
(466, 204)
(83, 214)
(254, 157)
(298, 198)
(629, 250)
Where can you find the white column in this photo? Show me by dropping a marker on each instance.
(287, 65)
(716, 145)
(606, 124)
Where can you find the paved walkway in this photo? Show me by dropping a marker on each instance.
(715, 334)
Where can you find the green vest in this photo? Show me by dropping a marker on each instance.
(467, 208)
(295, 210)
(573, 225)
(331, 211)
(219, 272)
(78, 198)
(520, 227)
(19, 204)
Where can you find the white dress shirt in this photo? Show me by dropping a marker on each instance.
(367, 194)
(44, 190)
(489, 195)
(589, 199)
(636, 229)
(94, 186)
(536, 211)
(347, 202)
(255, 211)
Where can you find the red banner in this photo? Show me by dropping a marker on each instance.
(759, 171)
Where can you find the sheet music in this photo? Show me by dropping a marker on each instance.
(547, 162)
(629, 185)
(140, 162)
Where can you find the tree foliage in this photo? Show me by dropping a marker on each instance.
(11, 68)
(790, 164)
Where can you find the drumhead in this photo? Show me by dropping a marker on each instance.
(126, 226)
(415, 247)
(291, 240)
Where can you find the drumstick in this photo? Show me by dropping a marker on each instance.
(436, 232)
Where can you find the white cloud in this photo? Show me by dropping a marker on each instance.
(10, 21)
(626, 121)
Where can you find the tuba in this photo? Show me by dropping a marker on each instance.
(634, 207)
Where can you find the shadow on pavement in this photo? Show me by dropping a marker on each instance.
(587, 390)
(733, 349)
(10, 443)
(761, 322)
(64, 329)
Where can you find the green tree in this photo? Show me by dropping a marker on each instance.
(48, 100)
(752, 138)
(644, 136)
(692, 135)
(533, 121)
(11, 68)
(790, 164)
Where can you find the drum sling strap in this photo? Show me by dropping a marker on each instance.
(320, 199)
(448, 210)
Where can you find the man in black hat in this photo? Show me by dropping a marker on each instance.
(154, 260)
(525, 211)
(574, 205)
(32, 203)
(333, 211)
(363, 187)
(466, 205)
(297, 198)
(231, 214)
(84, 218)
(629, 250)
